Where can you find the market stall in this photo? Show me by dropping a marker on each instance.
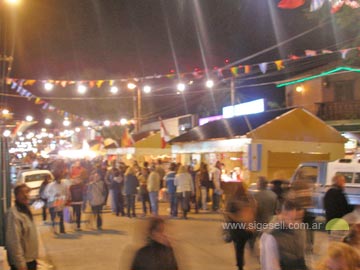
(267, 144)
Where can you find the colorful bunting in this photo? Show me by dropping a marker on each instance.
(279, 64)
(310, 53)
(247, 69)
(234, 71)
(263, 67)
(291, 4)
(316, 4)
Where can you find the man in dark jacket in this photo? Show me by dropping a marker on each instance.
(158, 253)
(335, 202)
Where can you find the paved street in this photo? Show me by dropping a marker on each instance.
(197, 243)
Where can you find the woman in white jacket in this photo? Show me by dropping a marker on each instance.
(184, 188)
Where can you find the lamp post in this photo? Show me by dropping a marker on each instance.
(5, 68)
(136, 104)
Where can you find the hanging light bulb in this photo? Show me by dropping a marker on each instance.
(82, 89)
(47, 121)
(48, 86)
(131, 86)
(147, 89)
(114, 90)
(107, 123)
(181, 87)
(209, 83)
(29, 118)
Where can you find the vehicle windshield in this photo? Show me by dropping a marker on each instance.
(36, 177)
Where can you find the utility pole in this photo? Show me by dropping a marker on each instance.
(232, 91)
(139, 116)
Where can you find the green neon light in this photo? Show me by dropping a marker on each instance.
(319, 75)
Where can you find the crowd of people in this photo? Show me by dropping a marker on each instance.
(282, 245)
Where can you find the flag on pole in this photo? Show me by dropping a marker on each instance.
(126, 139)
(163, 134)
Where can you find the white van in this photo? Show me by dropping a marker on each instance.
(321, 174)
(33, 179)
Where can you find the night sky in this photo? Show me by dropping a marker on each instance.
(106, 39)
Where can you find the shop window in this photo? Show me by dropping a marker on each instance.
(344, 90)
(308, 173)
(348, 176)
(357, 178)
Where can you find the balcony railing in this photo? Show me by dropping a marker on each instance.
(344, 110)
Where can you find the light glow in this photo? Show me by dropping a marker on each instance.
(82, 89)
(6, 133)
(123, 121)
(48, 86)
(86, 123)
(209, 83)
(29, 118)
(47, 121)
(147, 89)
(107, 123)
(181, 87)
(131, 86)
(255, 106)
(5, 111)
(114, 90)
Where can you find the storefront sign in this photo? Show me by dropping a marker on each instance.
(255, 106)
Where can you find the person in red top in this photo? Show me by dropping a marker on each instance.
(76, 170)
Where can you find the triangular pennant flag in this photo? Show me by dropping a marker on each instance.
(247, 69)
(39, 101)
(291, 4)
(51, 108)
(19, 89)
(352, 4)
(338, 4)
(13, 85)
(293, 57)
(9, 81)
(170, 75)
(234, 71)
(45, 106)
(279, 64)
(263, 67)
(92, 84)
(219, 73)
(326, 51)
(29, 82)
(310, 52)
(99, 83)
(63, 83)
(316, 4)
(344, 53)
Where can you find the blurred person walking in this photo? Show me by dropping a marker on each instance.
(130, 189)
(143, 190)
(157, 253)
(266, 204)
(21, 239)
(239, 213)
(340, 256)
(171, 189)
(335, 201)
(282, 246)
(57, 194)
(43, 196)
(76, 197)
(217, 191)
(97, 197)
(153, 185)
(184, 188)
(205, 184)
